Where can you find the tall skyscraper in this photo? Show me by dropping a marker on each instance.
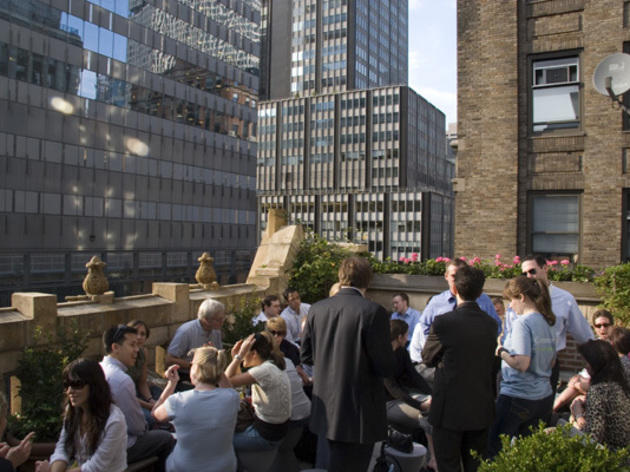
(344, 145)
(127, 130)
(332, 45)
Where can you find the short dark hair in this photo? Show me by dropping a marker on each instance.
(402, 295)
(288, 291)
(469, 282)
(355, 272)
(603, 313)
(116, 334)
(537, 258)
(397, 328)
(457, 262)
(620, 339)
(268, 300)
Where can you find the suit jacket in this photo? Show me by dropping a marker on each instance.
(461, 345)
(346, 339)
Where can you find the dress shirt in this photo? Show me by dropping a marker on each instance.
(191, 335)
(569, 318)
(124, 396)
(293, 320)
(411, 317)
(443, 303)
(110, 454)
(260, 318)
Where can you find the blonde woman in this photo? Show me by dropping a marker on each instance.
(204, 418)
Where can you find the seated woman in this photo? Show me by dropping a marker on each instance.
(204, 418)
(620, 340)
(605, 414)
(12, 457)
(139, 373)
(271, 391)
(94, 432)
(579, 384)
(407, 393)
(277, 327)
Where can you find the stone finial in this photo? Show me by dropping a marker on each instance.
(206, 276)
(95, 282)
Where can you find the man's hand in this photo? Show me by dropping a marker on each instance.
(18, 454)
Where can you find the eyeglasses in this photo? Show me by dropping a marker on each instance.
(602, 325)
(530, 272)
(277, 333)
(76, 384)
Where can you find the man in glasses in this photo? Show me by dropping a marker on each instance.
(569, 318)
(121, 346)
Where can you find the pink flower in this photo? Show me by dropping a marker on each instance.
(439, 259)
(565, 262)
(463, 258)
(401, 259)
(476, 260)
(552, 263)
(414, 256)
(497, 263)
(516, 260)
(407, 260)
(497, 256)
(446, 259)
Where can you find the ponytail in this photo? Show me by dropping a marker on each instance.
(534, 289)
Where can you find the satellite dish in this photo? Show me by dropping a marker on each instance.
(612, 75)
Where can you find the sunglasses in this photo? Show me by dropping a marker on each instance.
(277, 333)
(530, 271)
(77, 384)
(602, 325)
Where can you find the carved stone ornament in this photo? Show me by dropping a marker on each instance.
(95, 282)
(206, 276)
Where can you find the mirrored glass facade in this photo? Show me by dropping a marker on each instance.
(127, 129)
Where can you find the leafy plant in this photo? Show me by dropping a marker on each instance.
(238, 324)
(613, 285)
(556, 450)
(40, 373)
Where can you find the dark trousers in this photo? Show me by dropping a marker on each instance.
(152, 443)
(452, 448)
(555, 375)
(515, 416)
(349, 457)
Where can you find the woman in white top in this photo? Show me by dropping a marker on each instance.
(94, 433)
(204, 418)
(271, 391)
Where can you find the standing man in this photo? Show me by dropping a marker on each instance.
(121, 347)
(461, 346)
(206, 329)
(346, 339)
(403, 312)
(569, 318)
(293, 314)
(444, 303)
(270, 309)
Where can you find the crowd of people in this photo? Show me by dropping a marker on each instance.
(455, 376)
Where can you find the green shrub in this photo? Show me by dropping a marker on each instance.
(40, 373)
(238, 324)
(613, 286)
(556, 451)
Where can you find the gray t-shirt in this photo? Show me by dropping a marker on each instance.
(530, 336)
(191, 335)
(204, 421)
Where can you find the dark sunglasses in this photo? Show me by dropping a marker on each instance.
(602, 325)
(277, 333)
(530, 271)
(76, 384)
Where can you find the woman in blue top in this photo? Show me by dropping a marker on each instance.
(204, 418)
(528, 355)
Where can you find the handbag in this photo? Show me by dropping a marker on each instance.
(245, 416)
(400, 441)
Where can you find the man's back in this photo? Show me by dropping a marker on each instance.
(347, 341)
(463, 396)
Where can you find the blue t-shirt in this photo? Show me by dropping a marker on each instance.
(204, 422)
(530, 336)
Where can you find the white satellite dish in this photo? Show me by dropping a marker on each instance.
(612, 75)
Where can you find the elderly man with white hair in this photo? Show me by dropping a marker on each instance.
(205, 330)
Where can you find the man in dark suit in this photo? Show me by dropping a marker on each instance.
(461, 345)
(346, 339)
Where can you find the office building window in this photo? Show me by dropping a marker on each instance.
(555, 94)
(555, 224)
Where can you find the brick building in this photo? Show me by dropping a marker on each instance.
(541, 164)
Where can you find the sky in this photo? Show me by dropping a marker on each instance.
(433, 53)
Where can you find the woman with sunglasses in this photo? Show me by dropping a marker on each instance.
(271, 391)
(94, 433)
(277, 327)
(527, 356)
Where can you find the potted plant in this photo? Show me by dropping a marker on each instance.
(41, 391)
